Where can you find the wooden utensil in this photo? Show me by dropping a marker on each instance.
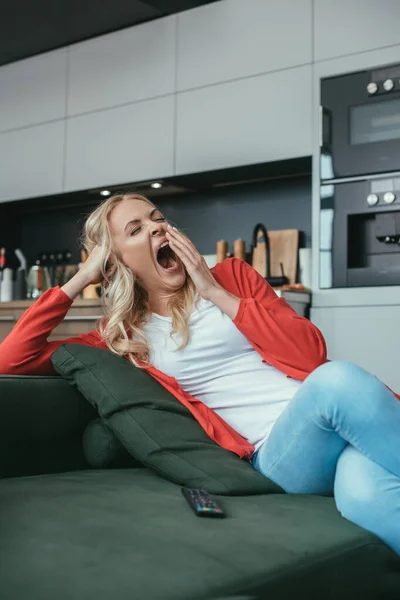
(239, 249)
(222, 250)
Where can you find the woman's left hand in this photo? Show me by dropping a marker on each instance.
(194, 262)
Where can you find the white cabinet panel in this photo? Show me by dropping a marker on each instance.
(120, 145)
(237, 38)
(31, 161)
(365, 335)
(33, 90)
(349, 26)
(256, 119)
(122, 67)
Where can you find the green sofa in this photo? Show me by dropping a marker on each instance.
(72, 532)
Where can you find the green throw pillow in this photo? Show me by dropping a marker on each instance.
(102, 448)
(153, 425)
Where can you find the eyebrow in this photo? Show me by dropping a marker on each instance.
(134, 221)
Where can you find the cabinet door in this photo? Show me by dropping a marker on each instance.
(6, 325)
(33, 90)
(121, 67)
(120, 145)
(31, 161)
(229, 40)
(348, 26)
(252, 120)
(367, 336)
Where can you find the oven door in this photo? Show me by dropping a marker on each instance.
(360, 123)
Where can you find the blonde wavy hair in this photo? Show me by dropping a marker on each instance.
(125, 302)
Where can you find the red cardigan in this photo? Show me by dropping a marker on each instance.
(290, 343)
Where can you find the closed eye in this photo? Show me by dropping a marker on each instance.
(134, 231)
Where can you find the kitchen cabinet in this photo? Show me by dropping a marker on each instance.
(229, 40)
(122, 67)
(81, 318)
(365, 335)
(33, 90)
(7, 322)
(349, 26)
(256, 119)
(124, 144)
(31, 161)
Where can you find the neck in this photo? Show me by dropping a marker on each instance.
(158, 304)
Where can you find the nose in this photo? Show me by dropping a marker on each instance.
(156, 228)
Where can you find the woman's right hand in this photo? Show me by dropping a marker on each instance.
(92, 267)
(89, 273)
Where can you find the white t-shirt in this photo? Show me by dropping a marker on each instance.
(222, 369)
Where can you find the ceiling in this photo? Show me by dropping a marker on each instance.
(29, 27)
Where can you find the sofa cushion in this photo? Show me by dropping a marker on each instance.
(127, 534)
(153, 425)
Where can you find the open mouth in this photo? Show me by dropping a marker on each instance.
(167, 258)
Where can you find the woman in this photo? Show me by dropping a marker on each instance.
(252, 372)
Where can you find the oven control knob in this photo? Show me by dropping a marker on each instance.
(389, 197)
(372, 88)
(372, 199)
(388, 85)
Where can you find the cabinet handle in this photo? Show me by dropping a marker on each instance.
(321, 125)
(8, 318)
(83, 318)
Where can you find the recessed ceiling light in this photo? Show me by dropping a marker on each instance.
(156, 185)
(105, 193)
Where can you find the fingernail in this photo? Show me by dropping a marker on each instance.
(176, 229)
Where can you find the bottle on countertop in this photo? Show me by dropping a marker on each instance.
(2, 261)
(6, 286)
(6, 278)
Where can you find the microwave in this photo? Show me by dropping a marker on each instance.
(360, 123)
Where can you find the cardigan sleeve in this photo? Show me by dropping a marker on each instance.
(284, 339)
(26, 351)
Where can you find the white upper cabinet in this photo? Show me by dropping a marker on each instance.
(31, 161)
(349, 26)
(33, 90)
(257, 119)
(122, 67)
(120, 145)
(236, 38)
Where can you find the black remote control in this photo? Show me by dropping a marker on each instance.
(202, 503)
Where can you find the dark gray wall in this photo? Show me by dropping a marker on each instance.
(217, 213)
(232, 212)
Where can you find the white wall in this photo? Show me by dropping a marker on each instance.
(222, 85)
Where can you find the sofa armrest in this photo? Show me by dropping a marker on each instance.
(42, 419)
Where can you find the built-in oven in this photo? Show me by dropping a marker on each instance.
(360, 233)
(360, 123)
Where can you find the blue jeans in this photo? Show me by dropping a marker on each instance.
(340, 436)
